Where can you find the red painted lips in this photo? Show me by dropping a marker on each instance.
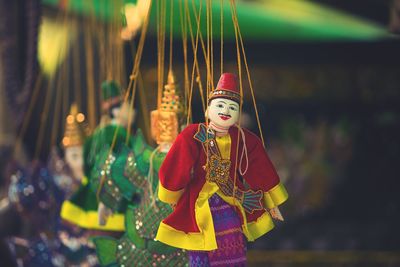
(224, 116)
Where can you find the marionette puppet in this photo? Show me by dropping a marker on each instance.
(137, 246)
(121, 166)
(83, 209)
(75, 134)
(222, 184)
(68, 176)
(38, 192)
(68, 171)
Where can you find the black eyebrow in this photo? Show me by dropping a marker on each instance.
(234, 104)
(221, 101)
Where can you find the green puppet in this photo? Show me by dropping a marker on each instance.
(91, 207)
(138, 246)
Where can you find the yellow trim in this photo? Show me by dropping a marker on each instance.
(203, 215)
(203, 240)
(179, 239)
(263, 225)
(89, 219)
(276, 196)
(168, 196)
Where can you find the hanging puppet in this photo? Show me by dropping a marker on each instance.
(82, 209)
(222, 184)
(68, 172)
(68, 175)
(137, 246)
(121, 166)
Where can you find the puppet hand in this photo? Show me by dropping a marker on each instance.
(103, 213)
(276, 214)
(173, 206)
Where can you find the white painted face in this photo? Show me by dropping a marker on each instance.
(74, 159)
(223, 112)
(123, 113)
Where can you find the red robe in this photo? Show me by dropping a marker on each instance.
(182, 182)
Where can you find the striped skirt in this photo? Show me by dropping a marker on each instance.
(230, 239)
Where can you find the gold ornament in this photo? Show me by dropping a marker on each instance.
(75, 128)
(164, 121)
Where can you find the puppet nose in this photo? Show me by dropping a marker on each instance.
(226, 110)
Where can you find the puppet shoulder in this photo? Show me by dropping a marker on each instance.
(190, 130)
(251, 138)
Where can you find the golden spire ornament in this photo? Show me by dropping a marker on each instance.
(75, 128)
(171, 100)
(165, 120)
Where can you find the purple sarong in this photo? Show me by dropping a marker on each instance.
(230, 239)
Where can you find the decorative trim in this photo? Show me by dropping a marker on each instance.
(89, 219)
(276, 196)
(168, 196)
(263, 225)
(202, 134)
(224, 94)
(179, 239)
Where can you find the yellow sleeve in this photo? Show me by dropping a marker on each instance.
(276, 196)
(168, 196)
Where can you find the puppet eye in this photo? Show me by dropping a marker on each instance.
(220, 106)
(233, 108)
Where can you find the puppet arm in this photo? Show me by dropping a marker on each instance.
(175, 172)
(261, 175)
(103, 212)
(276, 214)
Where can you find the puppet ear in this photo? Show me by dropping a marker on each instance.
(206, 113)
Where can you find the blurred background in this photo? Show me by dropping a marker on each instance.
(326, 77)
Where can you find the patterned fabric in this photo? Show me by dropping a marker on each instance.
(218, 171)
(129, 255)
(132, 250)
(132, 172)
(230, 239)
(198, 259)
(148, 217)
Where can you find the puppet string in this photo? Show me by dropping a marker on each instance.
(244, 153)
(150, 177)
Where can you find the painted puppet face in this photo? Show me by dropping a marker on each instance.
(223, 112)
(74, 159)
(124, 114)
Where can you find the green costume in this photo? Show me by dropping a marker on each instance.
(137, 246)
(118, 176)
(82, 208)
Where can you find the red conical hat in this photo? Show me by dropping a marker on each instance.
(226, 88)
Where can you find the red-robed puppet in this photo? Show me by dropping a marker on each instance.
(222, 184)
